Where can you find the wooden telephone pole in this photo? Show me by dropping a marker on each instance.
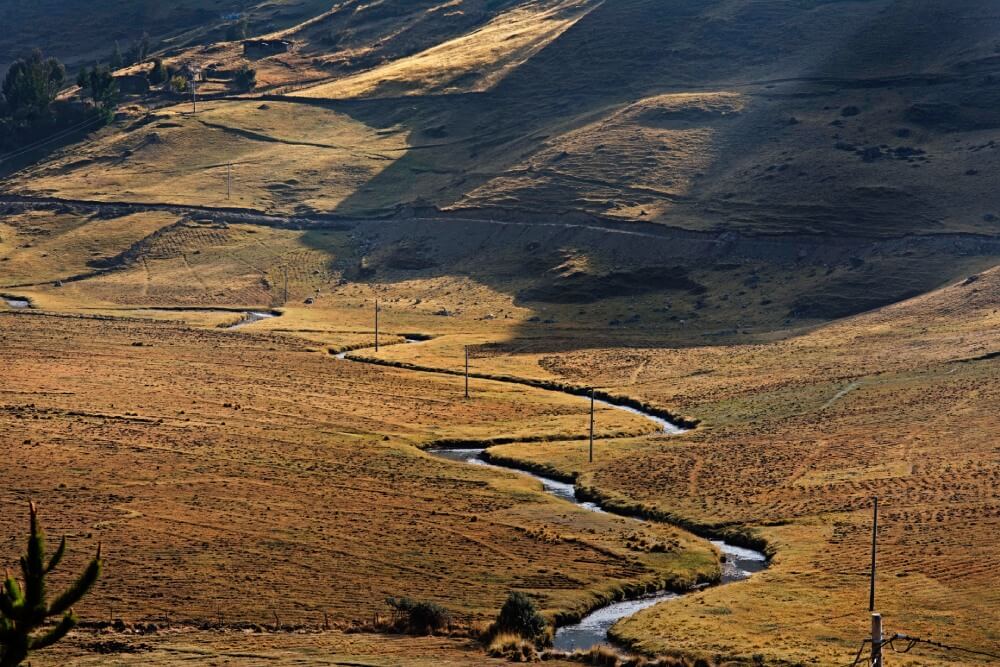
(376, 325)
(876, 660)
(591, 425)
(466, 371)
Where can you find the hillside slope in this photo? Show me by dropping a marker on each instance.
(784, 116)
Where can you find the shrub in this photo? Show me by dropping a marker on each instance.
(246, 78)
(520, 616)
(178, 83)
(24, 611)
(103, 88)
(158, 74)
(603, 656)
(419, 617)
(513, 647)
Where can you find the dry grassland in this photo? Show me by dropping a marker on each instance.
(229, 649)
(475, 61)
(285, 157)
(236, 476)
(797, 437)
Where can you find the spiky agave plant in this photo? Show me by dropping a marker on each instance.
(24, 611)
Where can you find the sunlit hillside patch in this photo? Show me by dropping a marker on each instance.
(471, 62)
(283, 157)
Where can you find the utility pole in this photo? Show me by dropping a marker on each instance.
(284, 270)
(194, 93)
(871, 594)
(229, 180)
(376, 325)
(591, 425)
(466, 371)
(876, 660)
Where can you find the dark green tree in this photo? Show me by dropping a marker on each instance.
(520, 616)
(137, 52)
(31, 84)
(103, 88)
(142, 48)
(246, 78)
(83, 79)
(159, 74)
(24, 611)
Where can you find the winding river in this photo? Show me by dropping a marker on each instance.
(16, 302)
(739, 563)
(251, 316)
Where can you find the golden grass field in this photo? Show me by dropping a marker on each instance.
(775, 219)
(475, 61)
(796, 435)
(793, 408)
(226, 649)
(176, 156)
(216, 482)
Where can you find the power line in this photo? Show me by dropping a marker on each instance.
(913, 641)
(857, 657)
(58, 135)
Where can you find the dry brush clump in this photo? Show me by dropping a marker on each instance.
(418, 617)
(606, 656)
(519, 631)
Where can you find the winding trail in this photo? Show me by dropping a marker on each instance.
(739, 563)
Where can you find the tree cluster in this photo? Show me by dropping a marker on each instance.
(99, 85)
(30, 110)
(30, 86)
(136, 53)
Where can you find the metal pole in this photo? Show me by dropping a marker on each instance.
(466, 371)
(871, 595)
(591, 425)
(876, 660)
(229, 180)
(376, 325)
